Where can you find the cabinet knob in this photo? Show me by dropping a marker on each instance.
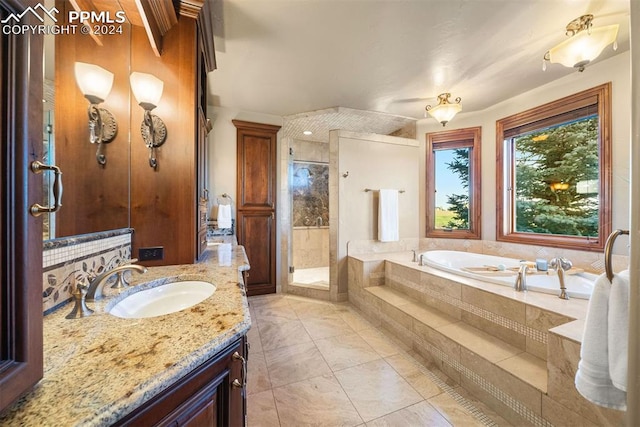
(236, 383)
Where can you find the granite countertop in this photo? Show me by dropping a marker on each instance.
(100, 368)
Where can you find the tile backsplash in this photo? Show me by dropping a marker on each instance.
(75, 260)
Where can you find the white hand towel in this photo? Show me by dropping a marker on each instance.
(224, 216)
(619, 329)
(388, 224)
(593, 380)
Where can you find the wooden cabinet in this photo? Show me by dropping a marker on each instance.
(214, 394)
(21, 358)
(256, 210)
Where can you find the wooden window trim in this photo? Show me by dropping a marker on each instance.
(504, 220)
(453, 139)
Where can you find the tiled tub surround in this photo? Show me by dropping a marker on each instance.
(100, 368)
(517, 352)
(67, 262)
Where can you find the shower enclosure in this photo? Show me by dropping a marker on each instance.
(310, 215)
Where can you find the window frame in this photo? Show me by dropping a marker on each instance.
(504, 202)
(453, 139)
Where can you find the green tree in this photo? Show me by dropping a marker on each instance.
(568, 154)
(459, 202)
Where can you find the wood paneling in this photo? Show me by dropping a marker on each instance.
(95, 196)
(164, 201)
(256, 193)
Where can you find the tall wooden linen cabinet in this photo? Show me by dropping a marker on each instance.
(256, 204)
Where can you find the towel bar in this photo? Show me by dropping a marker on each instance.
(225, 196)
(608, 248)
(366, 190)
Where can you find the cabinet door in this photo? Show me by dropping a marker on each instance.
(256, 233)
(21, 234)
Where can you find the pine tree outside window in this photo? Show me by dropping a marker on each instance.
(554, 168)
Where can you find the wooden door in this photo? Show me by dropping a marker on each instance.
(256, 204)
(21, 358)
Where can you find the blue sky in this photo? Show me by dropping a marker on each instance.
(446, 181)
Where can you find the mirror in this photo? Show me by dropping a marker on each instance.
(96, 196)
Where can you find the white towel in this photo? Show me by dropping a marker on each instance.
(593, 379)
(388, 224)
(619, 329)
(224, 216)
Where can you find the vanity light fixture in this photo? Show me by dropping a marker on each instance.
(95, 83)
(147, 89)
(583, 45)
(445, 110)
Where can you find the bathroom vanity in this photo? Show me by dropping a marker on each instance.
(182, 368)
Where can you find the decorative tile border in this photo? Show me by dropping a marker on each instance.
(66, 265)
(534, 334)
(504, 398)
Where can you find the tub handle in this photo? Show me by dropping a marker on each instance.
(608, 248)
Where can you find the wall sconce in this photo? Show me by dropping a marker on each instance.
(95, 83)
(445, 110)
(147, 89)
(583, 45)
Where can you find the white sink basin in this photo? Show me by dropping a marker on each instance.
(163, 299)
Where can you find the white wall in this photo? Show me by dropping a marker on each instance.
(615, 70)
(222, 148)
(373, 161)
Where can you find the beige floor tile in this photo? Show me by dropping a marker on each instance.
(354, 320)
(453, 412)
(261, 410)
(253, 338)
(413, 374)
(275, 314)
(267, 300)
(278, 335)
(345, 351)
(420, 414)
(481, 343)
(308, 309)
(295, 363)
(528, 368)
(318, 401)
(324, 327)
(376, 389)
(379, 342)
(257, 374)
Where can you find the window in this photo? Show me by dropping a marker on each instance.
(453, 184)
(554, 172)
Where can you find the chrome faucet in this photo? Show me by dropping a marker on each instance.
(521, 278)
(415, 255)
(561, 265)
(94, 291)
(421, 260)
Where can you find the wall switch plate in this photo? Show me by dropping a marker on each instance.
(152, 253)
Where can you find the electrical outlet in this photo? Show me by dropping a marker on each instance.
(153, 253)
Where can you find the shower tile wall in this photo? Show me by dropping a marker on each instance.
(310, 244)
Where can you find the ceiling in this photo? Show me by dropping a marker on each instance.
(285, 57)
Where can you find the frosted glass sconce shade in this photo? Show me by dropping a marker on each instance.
(94, 81)
(147, 89)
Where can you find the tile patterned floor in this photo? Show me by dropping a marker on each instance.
(314, 363)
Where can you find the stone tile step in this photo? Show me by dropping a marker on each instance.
(524, 366)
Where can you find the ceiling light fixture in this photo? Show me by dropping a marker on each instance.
(445, 110)
(583, 45)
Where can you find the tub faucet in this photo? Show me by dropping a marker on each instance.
(421, 260)
(561, 265)
(94, 291)
(415, 255)
(521, 278)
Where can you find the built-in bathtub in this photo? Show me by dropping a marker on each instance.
(462, 263)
